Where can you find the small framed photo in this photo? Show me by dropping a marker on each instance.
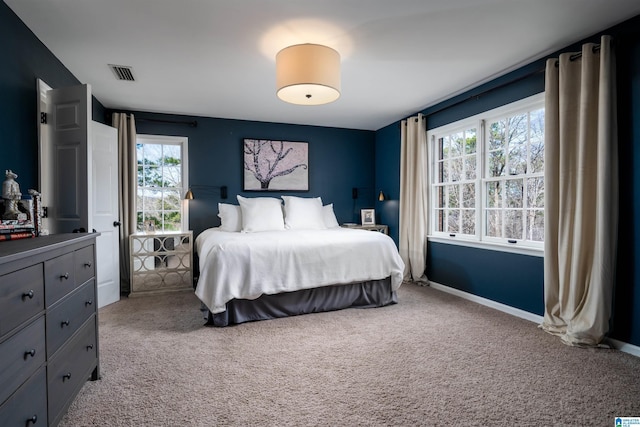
(368, 216)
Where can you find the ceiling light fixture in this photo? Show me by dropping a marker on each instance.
(308, 74)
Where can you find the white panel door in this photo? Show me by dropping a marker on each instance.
(69, 167)
(104, 199)
(79, 178)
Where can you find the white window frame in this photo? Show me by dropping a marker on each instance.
(183, 142)
(479, 239)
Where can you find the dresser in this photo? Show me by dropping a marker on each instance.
(48, 326)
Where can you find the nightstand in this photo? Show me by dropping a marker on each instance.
(380, 228)
(161, 262)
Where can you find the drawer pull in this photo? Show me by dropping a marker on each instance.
(64, 276)
(66, 376)
(64, 323)
(87, 265)
(31, 353)
(89, 347)
(89, 302)
(28, 294)
(32, 420)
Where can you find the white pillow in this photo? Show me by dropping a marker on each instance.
(329, 216)
(261, 214)
(230, 217)
(303, 213)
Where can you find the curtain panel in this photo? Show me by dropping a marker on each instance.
(414, 208)
(581, 194)
(126, 126)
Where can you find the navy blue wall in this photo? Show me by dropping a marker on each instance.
(517, 280)
(24, 60)
(339, 160)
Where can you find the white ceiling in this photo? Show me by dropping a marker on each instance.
(216, 58)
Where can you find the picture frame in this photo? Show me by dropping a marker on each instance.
(368, 216)
(271, 165)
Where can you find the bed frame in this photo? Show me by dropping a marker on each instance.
(375, 293)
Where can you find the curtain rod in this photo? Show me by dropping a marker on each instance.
(578, 55)
(176, 122)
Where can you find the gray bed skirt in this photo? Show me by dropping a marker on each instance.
(375, 293)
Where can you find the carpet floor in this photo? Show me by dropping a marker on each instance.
(432, 359)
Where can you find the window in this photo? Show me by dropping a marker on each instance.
(487, 177)
(162, 182)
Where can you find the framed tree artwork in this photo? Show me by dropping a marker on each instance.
(275, 165)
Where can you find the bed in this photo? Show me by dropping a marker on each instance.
(300, 261)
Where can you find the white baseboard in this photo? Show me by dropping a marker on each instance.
(618, 345)
(624, 347)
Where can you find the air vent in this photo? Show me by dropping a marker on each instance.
(122, 72)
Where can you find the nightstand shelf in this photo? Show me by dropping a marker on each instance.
(161, 262)
(380, 228)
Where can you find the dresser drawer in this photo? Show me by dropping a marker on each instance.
(65, 318)
(71, 368)
(85, 264)
(59, 277)
(28, 405)
(21, 356)
(21, 296)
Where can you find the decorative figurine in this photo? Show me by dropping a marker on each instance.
(11, 194)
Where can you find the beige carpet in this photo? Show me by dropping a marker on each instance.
(432, 359)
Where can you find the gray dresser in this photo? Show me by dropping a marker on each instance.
(48, 326)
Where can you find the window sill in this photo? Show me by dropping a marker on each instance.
(522, 250)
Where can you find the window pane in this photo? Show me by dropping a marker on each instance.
(535, 225)
(453, 221)
(513, 224)
(470, 146)
(454, 196)
(456, 169)
(152, 154)
(151, 176)
(171, 155)
(514, 193)
(469, 195)
(440, 199)
(172, 220)
(537, 141)
(457, 144)
(445, 171)
(139, 221)
(535, 192)
(469, 221)
(151, 203)
(494, 223)
(497, 135)
(172, 176)
(171, 200)
(439, 226)
(518, 144)
(440, 173)
(470, 167)
(497, 163)
(494, 194)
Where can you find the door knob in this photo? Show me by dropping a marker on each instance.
(116, 223)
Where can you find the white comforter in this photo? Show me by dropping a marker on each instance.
(247, 265)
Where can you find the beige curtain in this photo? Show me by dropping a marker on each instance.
(413, 197)
(126, 126)
(581, 194)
